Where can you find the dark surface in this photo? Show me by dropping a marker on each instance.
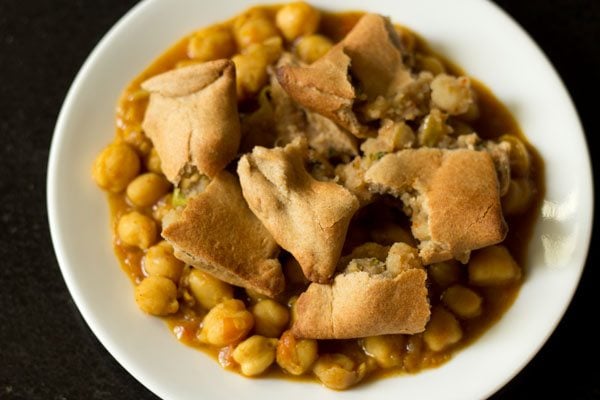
(46, 349)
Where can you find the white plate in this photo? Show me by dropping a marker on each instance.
(475, 34)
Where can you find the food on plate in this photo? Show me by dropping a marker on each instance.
(192, 118)
(302, 193)
(306, 217)
(452, 197)
(216, 231)
(370, 297)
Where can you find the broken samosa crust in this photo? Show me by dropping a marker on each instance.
(359, 303)
(452, 195)
(308, 218)
(192, 118)
(217, 232)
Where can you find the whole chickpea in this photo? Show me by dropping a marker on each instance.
(443, 330)
(251, 73)
(157, 295)
(270, 317)
(297, 19)
(226, 323)
(137, 229)
(493, 266)
(160, 261)
(211, 44)
(387, 350)
(464, 302)
(147, 189)
(208, 290)
(338, 371)
(255, 354)
(115, 167)
(253, 28)
(296, 356)
(153, 163)
(312, 47)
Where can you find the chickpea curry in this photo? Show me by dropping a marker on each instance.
(317, 195)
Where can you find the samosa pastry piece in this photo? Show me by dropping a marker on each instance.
(217, 232)
(374, 47)
(368, 298)
(192, 118)
(452, 196)
(292, 121)
(324, 87)
(370, 52)
(306, 217)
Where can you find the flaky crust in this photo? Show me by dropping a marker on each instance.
(192, 118)
(374, 48)
(370, 52)
(453, 196)
(306, 217)
(359, 304)
(324, 87)
(217, 232)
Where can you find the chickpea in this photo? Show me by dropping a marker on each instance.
(462, 301)
(157, 295)
(442, 331)
(208, 290)
(445, 273)
(254, 28)
(160, 261)
(387, 350)
(296, 356)
(493, 266)
(226, 323)
(251, 74)
(211, 44)
(115, 167)
(297, 19)
(270, 50)
(518, 196)
(292, 306)
(162, 207)
(520, 160)
(270, 318)
(338, 371)
(147, 189)
(255, 354)
(312, 47)
(136, 229)
(152, 162)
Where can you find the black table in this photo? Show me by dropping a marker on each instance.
(46, 349)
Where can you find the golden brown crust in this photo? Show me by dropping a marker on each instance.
(453, 195)
(308, 218)
(192, 118)
(371, 52)
(359, 304)
(324, 87)
(374, 48)
(217, 232)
